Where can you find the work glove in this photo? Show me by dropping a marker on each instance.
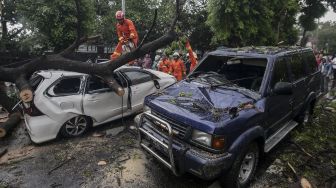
(132, 36)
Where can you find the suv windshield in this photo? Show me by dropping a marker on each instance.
(244, 72)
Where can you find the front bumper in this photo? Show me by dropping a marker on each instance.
(178, 156)
(41, 128)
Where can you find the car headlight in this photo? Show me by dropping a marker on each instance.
(146, 109)
(201, 137)
(213, 141)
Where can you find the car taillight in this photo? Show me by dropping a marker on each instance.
(30, 109)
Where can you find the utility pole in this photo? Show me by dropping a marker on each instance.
(123, 8)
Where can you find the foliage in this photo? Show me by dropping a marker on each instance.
(53, 23)
(56, 20)
(325, 36)
(260, 22)
(311, 10)
(319, 141)
(8, 17)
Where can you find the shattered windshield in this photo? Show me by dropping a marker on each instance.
(238, 72)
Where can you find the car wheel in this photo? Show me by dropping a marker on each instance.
(76, 126)
(243, 168)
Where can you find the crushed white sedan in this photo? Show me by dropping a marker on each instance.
(69, 103)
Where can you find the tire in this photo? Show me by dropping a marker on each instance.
(75, 126)
(243, 168)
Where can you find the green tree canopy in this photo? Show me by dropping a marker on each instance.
(8, 16)
(55, 21)
(325, 36)
(259, 22)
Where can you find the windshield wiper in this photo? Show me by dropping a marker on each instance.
(243, 91)
(207, 74)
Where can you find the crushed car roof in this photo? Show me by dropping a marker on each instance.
(259, 51)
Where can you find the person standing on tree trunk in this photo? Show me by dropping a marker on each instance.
(177, 67)
(126, 32)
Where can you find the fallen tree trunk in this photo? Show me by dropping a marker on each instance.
(8, 126)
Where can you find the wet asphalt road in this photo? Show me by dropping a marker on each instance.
(74, 163)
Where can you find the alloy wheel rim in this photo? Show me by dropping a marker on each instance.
(246, 167)
(76, 126)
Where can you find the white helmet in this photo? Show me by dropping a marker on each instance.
(176, 54)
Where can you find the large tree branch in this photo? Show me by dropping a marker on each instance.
(18, 31)
(79, 38)
(149, 31)
(75, 45)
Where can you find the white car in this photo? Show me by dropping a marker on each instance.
(68, 103)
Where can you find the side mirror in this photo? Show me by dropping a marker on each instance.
(283, 88)
(156, 84)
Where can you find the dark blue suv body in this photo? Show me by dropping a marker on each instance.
(236, 104)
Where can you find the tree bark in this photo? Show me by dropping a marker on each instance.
(8, 126)
(304, 38)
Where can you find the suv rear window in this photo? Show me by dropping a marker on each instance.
(297, 67)
(310, 62)
(280, 72)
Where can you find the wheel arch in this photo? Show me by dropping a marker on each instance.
(254, 134)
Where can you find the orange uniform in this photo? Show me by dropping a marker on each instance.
(177, 69)
(164, 66)
(126, 31)
(192, 58)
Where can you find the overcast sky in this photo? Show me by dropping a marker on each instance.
(329, 16)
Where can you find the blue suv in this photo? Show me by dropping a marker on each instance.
(235, 105)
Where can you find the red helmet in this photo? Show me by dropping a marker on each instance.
(119, 15)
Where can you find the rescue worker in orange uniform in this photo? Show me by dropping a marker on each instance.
(164, 65)
(192, 56)
(126, 31)
(177, 67)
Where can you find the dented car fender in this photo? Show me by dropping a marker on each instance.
(250, 135)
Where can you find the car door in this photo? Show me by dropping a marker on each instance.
(299, 80)
(64, 98)
(100, 102)
(278, 107)
(142, 84)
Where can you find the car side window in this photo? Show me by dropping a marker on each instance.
(310, 62)
(137, 77)
(297, 68)
(96, 84)
(66, 86)
(280, 72)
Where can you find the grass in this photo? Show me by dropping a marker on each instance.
(313, 148)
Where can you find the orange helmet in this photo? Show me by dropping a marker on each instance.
(119, 15)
